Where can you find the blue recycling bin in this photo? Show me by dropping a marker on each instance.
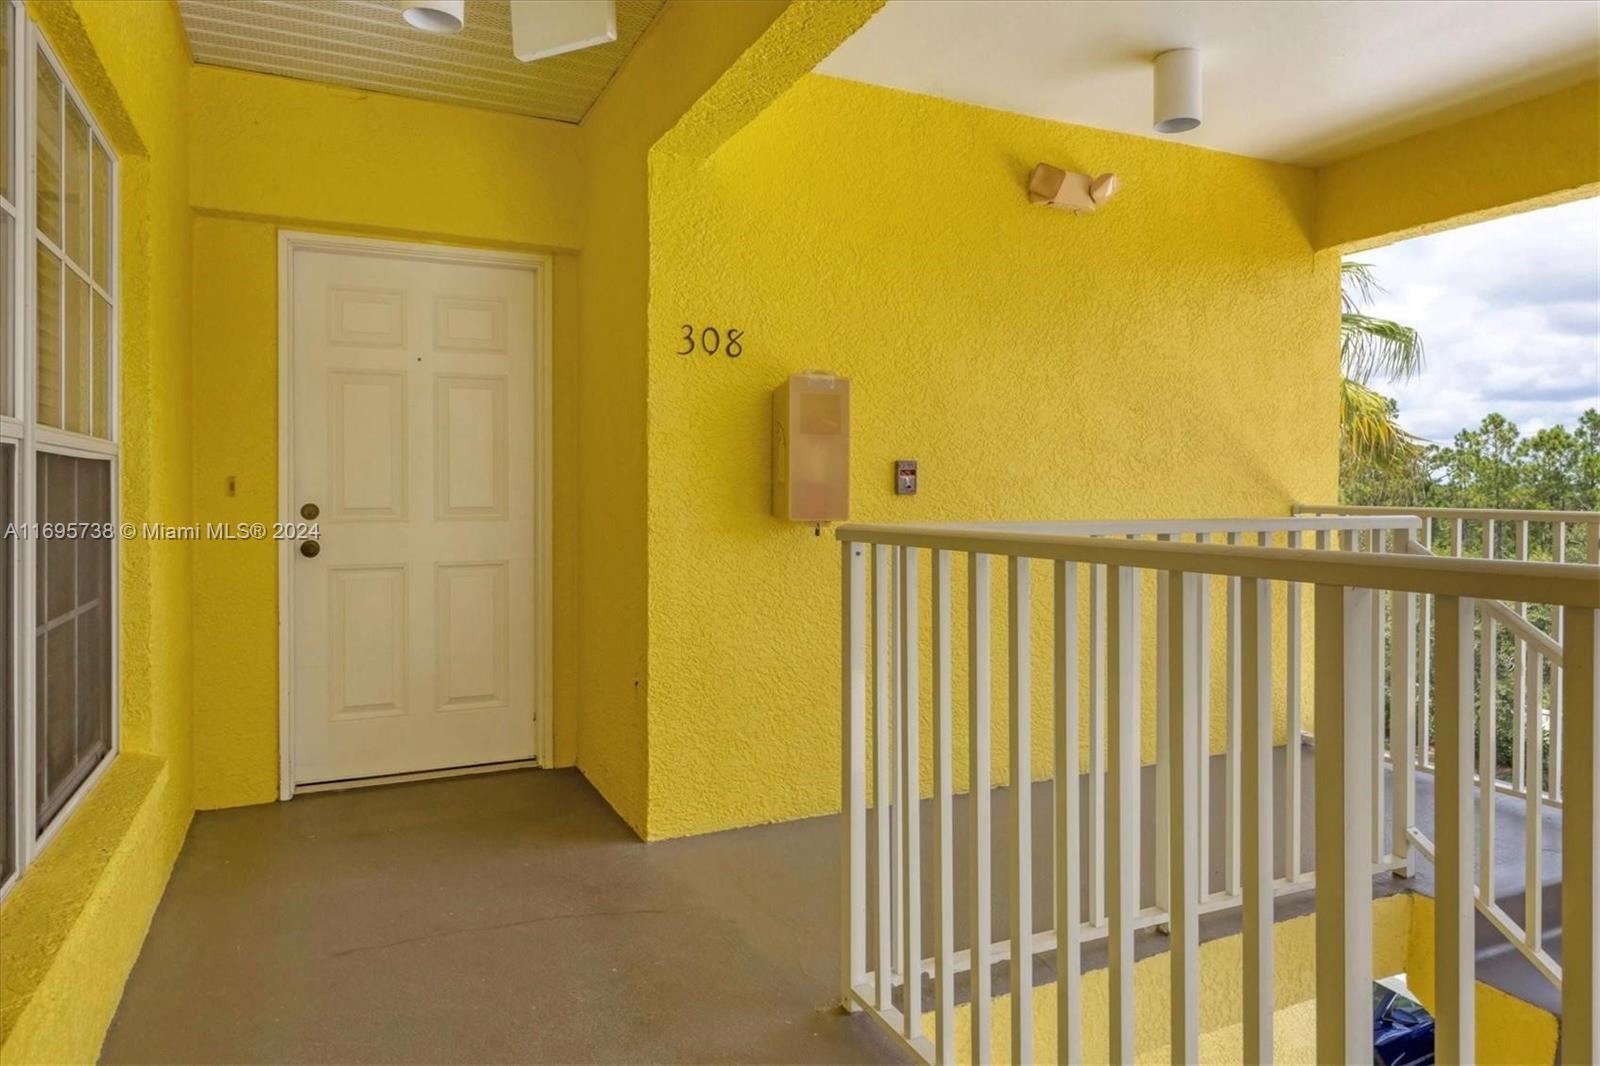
(1402, 1030)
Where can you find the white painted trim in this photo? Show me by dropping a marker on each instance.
(420, 775)
(13, 430)
(541, 268)
(286, 247)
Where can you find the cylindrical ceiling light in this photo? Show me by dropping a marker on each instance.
(1177, 90)
(435, 16)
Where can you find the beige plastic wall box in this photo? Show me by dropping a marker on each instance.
(811, 448)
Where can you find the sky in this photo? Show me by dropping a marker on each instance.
(1509, 312)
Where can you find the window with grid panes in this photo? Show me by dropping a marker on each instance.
(58, 451)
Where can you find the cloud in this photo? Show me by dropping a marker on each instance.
(1581, 319)
(1509, 313)
(1577, 392)
(1545, 285)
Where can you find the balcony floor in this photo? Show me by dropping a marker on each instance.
(510, 917)
(513, 917)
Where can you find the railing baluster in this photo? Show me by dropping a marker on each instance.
(1069, 928)
(1231, 730)
(1488, 670)
(910, 797)
(1558, 678)
(1426, 665)
(1097, 745)
(1454, 950)
(944, 977)
(1294, 753)
(1203, 700)
(853, 771)
(882, 771)
(1519, 668)
(1163, 753)
(1343, 825)
(978, 750)
(1425, 674)
(1122, 818)
(1256, 673)
(1376, 675)
(1402, 719)
(1021, 684)
(1580, 836)
(1181, 670)
(1533, 832)
(896, 771)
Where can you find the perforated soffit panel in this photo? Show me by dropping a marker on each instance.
(365, 44)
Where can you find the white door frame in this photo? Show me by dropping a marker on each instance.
(291, 241)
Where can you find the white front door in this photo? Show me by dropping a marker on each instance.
(412, 441)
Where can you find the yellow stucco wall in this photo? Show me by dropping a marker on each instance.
(304, 152)
(71, 929)
(274, 154)
(1027, 357)
(1532, 154)
(690, 43)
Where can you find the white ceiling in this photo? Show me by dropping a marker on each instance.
(1307, 81)
(365, 44)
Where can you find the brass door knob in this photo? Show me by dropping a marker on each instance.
(310, 548)
(309, 511)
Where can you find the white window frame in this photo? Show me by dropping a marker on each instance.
(21, 429)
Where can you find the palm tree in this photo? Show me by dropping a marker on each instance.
(1369, 347)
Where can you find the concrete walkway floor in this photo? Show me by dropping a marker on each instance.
(504, 918)
(514, 918)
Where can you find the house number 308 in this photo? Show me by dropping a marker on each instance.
(711, 340)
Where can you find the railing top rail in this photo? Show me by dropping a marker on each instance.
(1110, 527)
(1508, 617)
(1470, 513)
(1568, 584)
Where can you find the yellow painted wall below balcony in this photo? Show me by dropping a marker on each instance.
(1221, 993)
(1510, 1032)
(1166, 356)
(1532, 154)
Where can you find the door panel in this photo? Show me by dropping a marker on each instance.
(471, 434)
(413, 434)
(474, 635)
(367, 449)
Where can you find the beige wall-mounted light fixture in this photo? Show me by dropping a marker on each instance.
(811, 448)
(1069, 189)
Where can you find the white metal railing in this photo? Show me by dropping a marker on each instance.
(1533, 702)
(882, 949)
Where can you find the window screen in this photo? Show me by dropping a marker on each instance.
(73, 633)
